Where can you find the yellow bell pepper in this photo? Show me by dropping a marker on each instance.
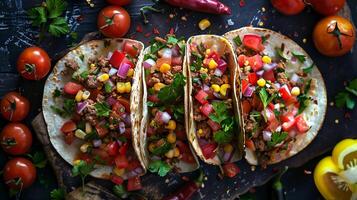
(336, 176)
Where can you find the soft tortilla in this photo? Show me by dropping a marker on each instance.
(314, 113)
(61, 75)
(222, 46)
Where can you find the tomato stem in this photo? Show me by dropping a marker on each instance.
(337, 33)
(145, 8)
(108, 21)
(9, 142)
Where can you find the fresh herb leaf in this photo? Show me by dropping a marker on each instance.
(280, 53)
(237, 41)
(172, 93)
(58, 194)
(352, 87)
(151, 104)
(38, 159)
(204, 76)
(307, 70)
(55, 8)
(67, 108)
(102, 109)
(222, 137)
(92, 135)
(277, 138)
(221, 112)
(155, 47)
(264, 97)
(120, 191)
(344, 99)
(172, 40)
(58, 27)
(301, 58)
(160, 167)
(162, 149)
(197, 62)
(82, 169)
(304, 102)
(107, 87)
(179, 112)
(150, 56)
(84, 75)
(37, 16)
(255, 115)
(56, 93)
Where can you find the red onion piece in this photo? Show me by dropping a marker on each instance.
(111, 100)
(249, 91)
(112, 71)
(138, 170)
(121, 127)
(205, 88)
(149, 63)
(222, 65)
(175, 51)
(97, 142)
(218, 72)
(81, 106)
(123, 70)
(267, 135)
(292, 133)
(268, 67)
(202, 142)
(127, 120)
(260, 73)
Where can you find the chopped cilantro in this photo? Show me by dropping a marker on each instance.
(58, 194)
(301, 58)
(56, 93)
(304, 102)
(102, 109)
(161, 150)
(344, 99)
(264, 97)
(108, 87)
(221, 112)
(237, 41)
(67, 108)
(277, 138)
(280, 53)
(308, 69)
(197, 62)
(82, 169)
(160, 167)
(222, 137)
(172, 93)
(120, 191)
(204, 76)
(38, 159)
(84, 75)
(179, 112)
(172, 40)
(151, 104)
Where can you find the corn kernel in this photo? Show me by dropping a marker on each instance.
(171, 125)
(84, 147)
(130, 72)
(215, 87)
(176, 152)
(127, 87)
(204, 24)
(104, 77)
(224, 88)
(266, 59)
(80, 134)
(153, 123)
(171, 138)
(121, 87)
(228, 148)
(212, 64)
(118, 172)
(79, 96)
(85, 95)
(200, 132)
(246, 63)
(76, 162)
(151, 147)
(208, 51)
(88, 128)
(261, 82)
(170, 154)
(203, 70)
(158, 86)
(92, 65)
(295, 91)
(164, 68)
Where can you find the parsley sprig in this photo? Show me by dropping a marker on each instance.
(82, 169)
(160, 167)
(345, 98)
(224, 118)
(172, 93)
(58, 194)
(277, 138)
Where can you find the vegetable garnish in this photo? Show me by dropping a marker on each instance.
(278, 185)
(49, 18)
(39, 159)
(301, 58)
(160, 167)
(277, 138)
(67, 108)
(83, 169)
(171, 93)
(345, 98)
(58, 194)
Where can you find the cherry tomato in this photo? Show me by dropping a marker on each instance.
(327, 7)
(16, 139)
(334, 36)
(230, 170)
(33, 63)
(119, 2)
(131, 48)
(19, 173)
(72, 88)
(289, 7)
(113, 21)
(14, 107)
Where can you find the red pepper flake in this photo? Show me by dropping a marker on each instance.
(242, 3)
(139, 28)
(148, 34)
(172, 31)
(185, 178)
(156, 31)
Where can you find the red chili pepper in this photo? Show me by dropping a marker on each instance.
(208, 6)
(186, 192)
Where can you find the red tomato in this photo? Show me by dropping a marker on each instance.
(33, 63)
(208, 150)
(285, 93)
(125, 103)
(253, 78)
(113, 21)
(269, 114)
(69, 138)
(273, 125)
(230, 170)
(72, 88)
(133, 164)
(301, 124)
(131, 48)
(245, 85)
(250, 144)
(117, 58)
(327, 7)
(68, 126)
(16, 139)
(206, 109)
(253, 42)
(201, 97)
(289, 7)
(269, 76)
(119, 2)
(287, 126)
(119, 108)
(153, 98)
(123, 149)
(113, 148)
(117, 179)
(20, 171)
(256, 62)
(241, 60)
(134, 184)
(246, 107)
(286, 117)
(101, 130)
(121, 161)
(214, 125)
(186, 154)
(14, 107)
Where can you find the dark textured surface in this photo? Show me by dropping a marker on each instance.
(16, 34)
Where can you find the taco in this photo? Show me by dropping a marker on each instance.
(214, 129)
(282, 94)
(90, 105)
(163, 138)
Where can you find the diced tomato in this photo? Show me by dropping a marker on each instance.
(125, 103)
(123, 148)
(176, 61)
(273, 125)
(214, 125)
(287, 126)
(301, 124)
(206, 109)
(134, 184)
(101, 130)
(112, 148)
(201, 97)
(256, 62)
(285, 93)
(269, 76)
(245, 85)
(187, 157)
(117, 180)
(117, 58)
(119, 108)
(153, 98)
(68, 126)
(121, 161)
(269, 114)
(253, 42)
(286, 117)
(131, 48)
(230, 170)
(85, 157)
(72, 88)
(246, 107)
(214, 55)
(292, 101)
(127, 61)
(271, 106)
(133, 164)
(241, 60)
(250, 144)
(208, 150)
(102, 155)
(253, 78)
(69, 138)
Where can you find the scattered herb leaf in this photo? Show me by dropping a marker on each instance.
(160, 167)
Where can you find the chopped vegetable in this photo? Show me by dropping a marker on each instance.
(344, 98)
(204, 24)
(160, 167)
